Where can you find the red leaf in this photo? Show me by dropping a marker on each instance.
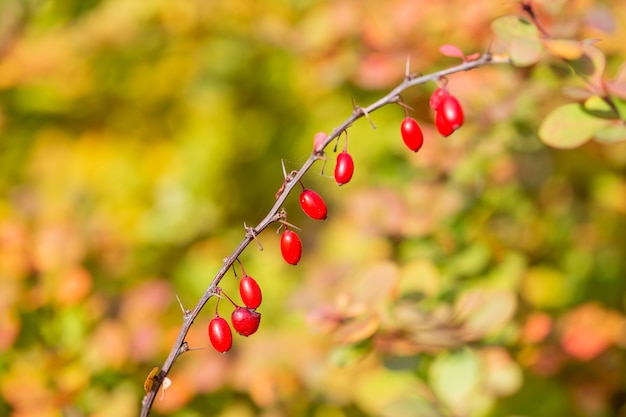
(451, 50)
(617, 86)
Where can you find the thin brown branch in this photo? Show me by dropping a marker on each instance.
(527, 7)
(275, 214)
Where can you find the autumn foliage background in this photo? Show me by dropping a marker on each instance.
(483, 276)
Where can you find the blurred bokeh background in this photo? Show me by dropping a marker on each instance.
(483, 276)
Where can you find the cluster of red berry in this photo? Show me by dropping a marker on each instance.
(313, 204)
(448, 118)
(245, 320)
(315, 207)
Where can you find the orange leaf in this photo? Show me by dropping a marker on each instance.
(590, 329)
(356, 330)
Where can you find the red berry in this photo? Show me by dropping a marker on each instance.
(437, 97)
(442, 125)
(344, 168)
(313, 205)
(449, 115)
(250, 292)
(291, 247)
(245, 321)
(220, 335)
(412, 134)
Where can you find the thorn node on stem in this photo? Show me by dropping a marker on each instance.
(185, 311)
(323, 166)
(319, 154)
(286, 223)
(251, 231)
(215, 291)
(358, 110)
(288, 178)
(367, 116)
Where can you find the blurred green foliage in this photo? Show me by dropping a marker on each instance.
(483, 276)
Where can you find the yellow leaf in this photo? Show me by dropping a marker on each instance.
(564, 48)
(356, 330)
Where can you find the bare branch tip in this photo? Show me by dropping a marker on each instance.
(252, 233)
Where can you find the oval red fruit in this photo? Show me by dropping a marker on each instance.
(220, 334)
(450, 115)
(290, 247)
(313, 205)
(245, 321)
(411, 134)
(250, 292)
(442, 125)
(437, 97)
(344, 168)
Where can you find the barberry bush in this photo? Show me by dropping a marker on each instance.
(348, 208)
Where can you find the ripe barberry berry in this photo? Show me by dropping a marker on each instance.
(437, 97)
(411, 134)
(250, 292)
(449, 116)
(245, 321)
(442, 125)
(313, 205)
(291, 247)
(220, 334)
(344, 168)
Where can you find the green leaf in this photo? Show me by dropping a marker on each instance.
(503, 376)
(546, 287)
(576, 93)
(568, 126)
(521, 38)
(419, 277)
(508, 28)
(455, 378)
(525, 52)
(596, 106)
(591, 64)
(389, 388)
(611, 134)
(483, 311)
